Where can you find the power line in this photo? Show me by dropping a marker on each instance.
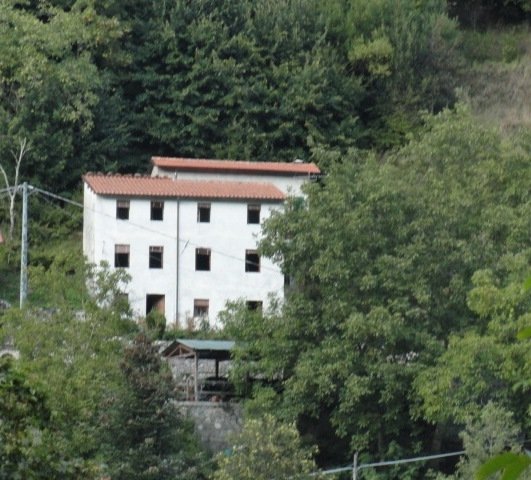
(186, 241)
(361, 466)
(410, 460)
(57, 197)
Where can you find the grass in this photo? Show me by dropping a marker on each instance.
(55, 271)
(498, 76)
(9, 285)
(503, 45)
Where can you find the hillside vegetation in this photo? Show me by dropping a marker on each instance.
(411, 256)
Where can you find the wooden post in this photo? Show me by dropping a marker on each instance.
(196, 375)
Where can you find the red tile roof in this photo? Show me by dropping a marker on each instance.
(144, 186)
(233, 166)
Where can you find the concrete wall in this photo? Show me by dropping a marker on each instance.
(289, 184)
(227, 235)
(214, 422)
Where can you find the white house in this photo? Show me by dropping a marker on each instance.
(188, 234)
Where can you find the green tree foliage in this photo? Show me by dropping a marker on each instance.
(512, 466)
(99, 84)
(234, 79)
(405, 53)
(481, 14)
(382, 255)
(146, 436)
(266, 449)
(486, 363)
(492, 432)
(53, 92)
(72, 355)
(109, 399)
(28, 433)
(23, 420)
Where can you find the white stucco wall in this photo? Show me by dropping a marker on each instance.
(290, 185)
(227, 236)
(89, 223)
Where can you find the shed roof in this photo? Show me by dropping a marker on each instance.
(235, 166)
(146, 186)
(207, 349)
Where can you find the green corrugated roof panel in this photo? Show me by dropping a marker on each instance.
(212, 345)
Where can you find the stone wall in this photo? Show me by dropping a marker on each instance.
(214, 422)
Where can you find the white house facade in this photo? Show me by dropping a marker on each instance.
(188, 242)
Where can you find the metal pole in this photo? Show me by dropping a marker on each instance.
(24, 247)
(355, 467)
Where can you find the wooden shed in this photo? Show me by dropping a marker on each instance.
(215, 350)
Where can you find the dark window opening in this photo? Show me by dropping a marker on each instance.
(121, 256)
(203, 212)
(155, 257)
(200, 307)
(122, 209)
(252, 261)
(253, 213)
(202, 259)
(157, 210)
(154, 302)
(254, 305)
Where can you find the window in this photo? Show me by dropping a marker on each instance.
(122, 209)
(155, 257)
(252, 261)
(203, 212)
(154, 302)
(253, 213)
(254, 305)
(202, 259)
(200, 307)
(157, 210)
(121, 256)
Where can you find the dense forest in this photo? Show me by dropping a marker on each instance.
(404, 330)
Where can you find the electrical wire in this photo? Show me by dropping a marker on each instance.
(363, 466)
(154, 231)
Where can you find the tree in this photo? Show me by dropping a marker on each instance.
(382, 254)
(52, 90)
(13, 188)
(147, 437)
(266, 449)
(491, 433)
(27, 437)
(70, 350)
(488, 364)
(407, 49)
(24, 416)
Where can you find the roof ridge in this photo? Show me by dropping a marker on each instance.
(120, 175)
(296, 167)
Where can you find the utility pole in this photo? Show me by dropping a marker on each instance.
(355, 467)
(24, 247)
